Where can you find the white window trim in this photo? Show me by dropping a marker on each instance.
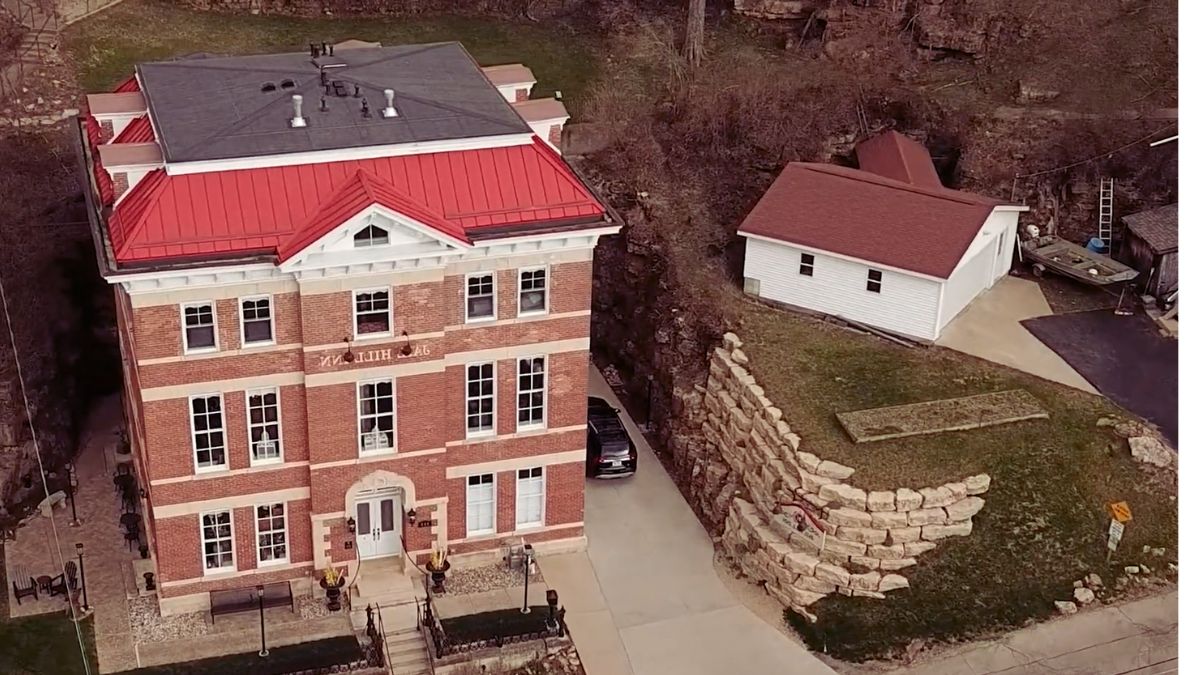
(517, 500)
(287, 540)
(545, 393)
(192, 434)
(387, 236)
(242, 321)
(279, 415)
(216, 327)
(546, 291)
(467, 509)
(232, 541)
(354, 314)
(358, 416)
(467, 297)
(872, 281)
(812, 265)
(480, 433)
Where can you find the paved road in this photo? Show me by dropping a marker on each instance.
(1136, 638)
(645, 598)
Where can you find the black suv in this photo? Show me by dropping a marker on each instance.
(610, 453)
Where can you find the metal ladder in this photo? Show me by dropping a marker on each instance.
(1106, 211)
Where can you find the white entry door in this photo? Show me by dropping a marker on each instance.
(378, 535)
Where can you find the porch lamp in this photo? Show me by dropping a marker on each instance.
(406, 349)
(412, 516)
(348, 357)
(351, 525)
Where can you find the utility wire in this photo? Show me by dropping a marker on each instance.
(1099, 156)
(87, 667)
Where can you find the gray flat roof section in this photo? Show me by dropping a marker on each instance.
(210, 108)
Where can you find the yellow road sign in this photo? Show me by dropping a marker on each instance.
(1120, 512)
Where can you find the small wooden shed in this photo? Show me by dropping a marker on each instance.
(1151, 246)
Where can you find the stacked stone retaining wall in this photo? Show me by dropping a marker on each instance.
(754, 476)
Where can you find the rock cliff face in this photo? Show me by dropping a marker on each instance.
(776, 9)
(795, 521)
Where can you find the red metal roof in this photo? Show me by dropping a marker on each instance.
(130, 84)
(896, 156)
(865, 216)
(137, 131)
(360, 191)
(276, 208)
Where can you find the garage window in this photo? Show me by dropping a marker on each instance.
(874, 280)
(807, 260)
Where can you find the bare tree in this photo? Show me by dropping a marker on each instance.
(693, 41)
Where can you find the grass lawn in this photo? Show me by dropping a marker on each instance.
(289, 659)
(106, 46)
(41, 645)
(1044, 524)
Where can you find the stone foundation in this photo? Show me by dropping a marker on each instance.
(755, 477)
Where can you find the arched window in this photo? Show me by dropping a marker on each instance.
(371, 235)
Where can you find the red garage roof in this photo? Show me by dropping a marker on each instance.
(264, 209)
(861, 215)
(896, 156)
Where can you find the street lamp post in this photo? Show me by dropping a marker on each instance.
(262, 624)
(528, 562)
(82, 574)
(73, 480)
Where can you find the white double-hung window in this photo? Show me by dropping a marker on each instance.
(208, 432)
(481, 504)
(258, 326)
(270, 527)
(216, 541)
(481, 297)
(372, 313)
(481, 398)
(199, 327)
(376, 417)
(531, 497)
(531, 392)
(262, 413)
(531, 292)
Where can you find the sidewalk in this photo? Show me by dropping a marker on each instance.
(1140, 637)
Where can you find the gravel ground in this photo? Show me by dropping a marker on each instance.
(312, 608)
(486, 578)
(149, 626)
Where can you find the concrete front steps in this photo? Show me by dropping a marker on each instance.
(406, 652)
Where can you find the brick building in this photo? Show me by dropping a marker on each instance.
(353, 292)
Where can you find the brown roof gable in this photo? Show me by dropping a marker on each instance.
(896, 156)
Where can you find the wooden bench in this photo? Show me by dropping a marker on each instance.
(237, 600)
(23, 584)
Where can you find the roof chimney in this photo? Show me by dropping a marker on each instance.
(389, 95)
(297, 113)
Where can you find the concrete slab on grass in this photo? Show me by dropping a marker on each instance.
(935, 417)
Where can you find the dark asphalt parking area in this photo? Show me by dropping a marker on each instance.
(1123, 357)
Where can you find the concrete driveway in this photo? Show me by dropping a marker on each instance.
(645, 598)
(990, 328)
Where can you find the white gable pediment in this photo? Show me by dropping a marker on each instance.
(409, 243)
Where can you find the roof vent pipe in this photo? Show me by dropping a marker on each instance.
(297, 113)
(389, 95)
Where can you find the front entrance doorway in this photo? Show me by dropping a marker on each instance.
(375, 516)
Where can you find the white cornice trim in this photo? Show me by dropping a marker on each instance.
(349, 154)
